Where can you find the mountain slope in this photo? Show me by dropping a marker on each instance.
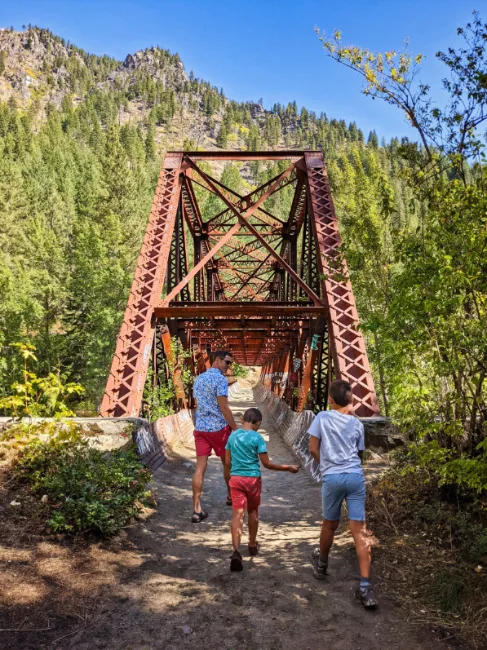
(81, 138)
(39, 70)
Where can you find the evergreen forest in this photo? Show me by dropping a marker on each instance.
(81, 143)
(80, 156)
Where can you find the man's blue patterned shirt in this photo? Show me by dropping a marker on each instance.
(207, 387)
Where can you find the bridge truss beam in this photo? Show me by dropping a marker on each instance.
(219, 269)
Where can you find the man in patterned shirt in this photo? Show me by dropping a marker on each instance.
(214, 423)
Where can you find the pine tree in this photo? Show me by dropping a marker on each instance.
(222, 138)
(373, 140)
(150, 145)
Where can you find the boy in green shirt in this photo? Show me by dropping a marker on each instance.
(244, 449)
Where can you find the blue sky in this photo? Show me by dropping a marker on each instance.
(262, 48)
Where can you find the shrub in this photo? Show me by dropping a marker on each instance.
(38, 396)
(86, 489)
(448, 467)
(239, 371)
(158, 398)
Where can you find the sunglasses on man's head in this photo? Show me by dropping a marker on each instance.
(228, 361)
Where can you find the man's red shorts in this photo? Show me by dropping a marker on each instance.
(205, 441)
(245, 491)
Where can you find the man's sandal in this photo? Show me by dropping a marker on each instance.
(198, 517)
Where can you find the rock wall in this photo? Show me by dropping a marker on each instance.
(104, 434)
(153, 440)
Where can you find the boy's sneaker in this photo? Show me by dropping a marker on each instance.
(254, 550)
(366, 596)
(319, 568)
(236, 563)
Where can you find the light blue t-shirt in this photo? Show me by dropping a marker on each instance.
(245, 447)
(341, 437)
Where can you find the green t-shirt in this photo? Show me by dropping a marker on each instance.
(245, 447)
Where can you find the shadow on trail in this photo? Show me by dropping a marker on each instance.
(182, 595)
(165, 583)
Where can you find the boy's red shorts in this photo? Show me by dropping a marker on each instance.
(205, 441)
(245, 491)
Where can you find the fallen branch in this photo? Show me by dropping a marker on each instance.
(83, 627)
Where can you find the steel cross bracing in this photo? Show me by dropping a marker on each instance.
(260, 274)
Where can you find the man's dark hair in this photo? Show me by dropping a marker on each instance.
(221, 354)
(341, 391)
(253, 416)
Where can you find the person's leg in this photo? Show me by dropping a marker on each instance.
(239, 504)
(254, 491)
(332, 493)
(226, 476)
(218, 441)
(198, 478)
(356, 515)
(328, 528)
(362, 547)
(355, 488)
(332, 496)
(253, 523)
(238, 515)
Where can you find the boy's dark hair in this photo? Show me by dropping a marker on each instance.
(221, 354)
(252, 416)
(341, 391)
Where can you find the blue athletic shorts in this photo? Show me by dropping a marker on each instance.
(339, 487)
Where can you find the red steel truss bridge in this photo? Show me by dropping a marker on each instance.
(260, 274)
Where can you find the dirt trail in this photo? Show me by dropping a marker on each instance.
(178, 592)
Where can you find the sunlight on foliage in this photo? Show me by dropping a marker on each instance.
(84, 490)
(39, 396)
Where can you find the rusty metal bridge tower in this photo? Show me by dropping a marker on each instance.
(275, 291)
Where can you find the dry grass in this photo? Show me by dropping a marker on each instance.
(428, 563)
(52, 585)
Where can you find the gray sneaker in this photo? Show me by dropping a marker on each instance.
(319, 568)
(366, 596)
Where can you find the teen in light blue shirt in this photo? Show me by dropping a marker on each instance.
(336, 442)
(341, 439)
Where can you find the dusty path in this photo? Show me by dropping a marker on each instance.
(178, 592)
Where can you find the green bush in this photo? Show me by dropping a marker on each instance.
(447, 589)
(159, 398)
(239, 371)
(86, 489)
(448, 467)
(38, 396)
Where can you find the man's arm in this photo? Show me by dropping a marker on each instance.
(226, 412)
(314, 448)
(265, 460)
